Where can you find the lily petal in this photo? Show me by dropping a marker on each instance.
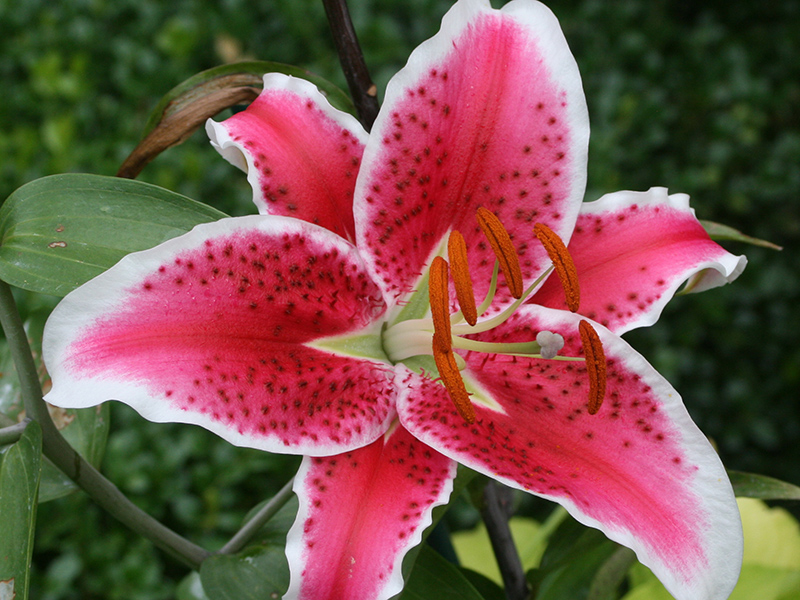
(300, 154)
(639, 469)
(633, 250)
(215, 328)
(489, 112)
(360, 513)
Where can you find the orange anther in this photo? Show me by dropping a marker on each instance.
(451, 377)
(503, 248)
(595, 365)
(439, 296)
(562, 262)
(457, 253)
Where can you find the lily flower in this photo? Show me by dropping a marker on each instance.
(432, 293)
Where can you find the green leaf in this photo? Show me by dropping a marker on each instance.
(485, 586)
(85, 429)
(58, 232)
(571, 562)
(256, 573)
(718, 231)
(751, 485)
(191, 588)
(771, 535)
(19, 484)
(433, 578)
(609, 577)
(241, 74)
(474, 549)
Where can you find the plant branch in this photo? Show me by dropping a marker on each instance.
(56, 448)
(496, 512)
(250, 528)
(12, 433)
(362, 89)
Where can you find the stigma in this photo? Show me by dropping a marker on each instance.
(441, 334)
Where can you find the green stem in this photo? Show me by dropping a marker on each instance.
(246, 533)
(63, 456)
(12, 433)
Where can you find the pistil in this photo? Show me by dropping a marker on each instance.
(440, 334)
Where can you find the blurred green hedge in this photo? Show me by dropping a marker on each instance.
(700, 97)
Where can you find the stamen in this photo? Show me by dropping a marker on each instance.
(503, 249)
(563, 263)
(595, 365)
(439, 296)
(502, 317)
(457, 253)
(451, 377)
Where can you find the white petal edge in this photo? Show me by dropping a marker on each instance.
(543, 24)
(707, 275)
(725, 538)
(233, 151)
(294, 539)
(84, 305)
(725, 542)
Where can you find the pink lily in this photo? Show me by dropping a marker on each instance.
(309, 329)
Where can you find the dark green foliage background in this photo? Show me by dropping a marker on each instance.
(700, 97)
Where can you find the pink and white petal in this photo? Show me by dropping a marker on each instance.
(633, 250)
(300, 154)
(489, 112)
(216, 327)
(640, 470)
(360, 513)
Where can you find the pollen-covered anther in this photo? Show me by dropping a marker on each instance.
(503, 248)
(595, 365)
(459, 265)
(439, 296)
(442, 344)
(562, 263)
(451, 376)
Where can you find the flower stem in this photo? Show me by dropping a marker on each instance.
(363, 90)
(56, 448)
(12, 433)
(246, 533)
(495, 513)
